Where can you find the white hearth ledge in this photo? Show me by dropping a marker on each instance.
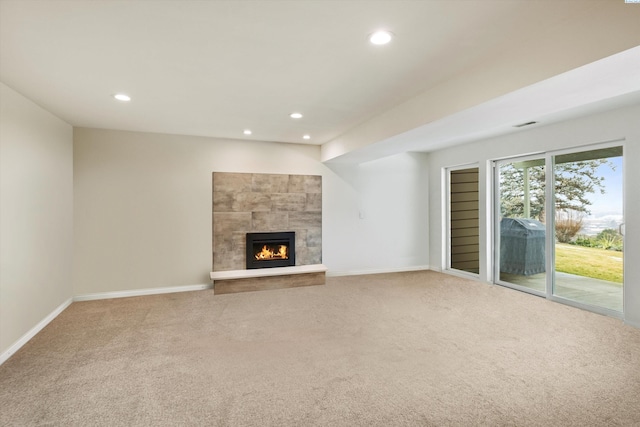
(266, 272)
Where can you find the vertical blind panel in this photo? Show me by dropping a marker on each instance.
(464, 220)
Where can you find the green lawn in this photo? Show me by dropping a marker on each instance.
(590, 262)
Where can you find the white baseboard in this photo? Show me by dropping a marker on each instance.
(462, 274)
(33, 331)
(88, 297)
(634, 324)
(140, 292)
(153, 291)
(376, 271)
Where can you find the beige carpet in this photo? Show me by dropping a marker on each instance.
(420, 348)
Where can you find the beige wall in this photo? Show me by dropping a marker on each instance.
(88, 211)
(36, 216)
(143, 204)
(143, 207)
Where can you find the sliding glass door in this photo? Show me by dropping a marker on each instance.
(588, 223)
(561, 234)
(520, 238)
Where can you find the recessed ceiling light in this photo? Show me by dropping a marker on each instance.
(380, 37)
(295, 115)
(247, 132)
(122, 97)
(306, 137)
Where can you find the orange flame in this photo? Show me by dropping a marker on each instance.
(268, 253)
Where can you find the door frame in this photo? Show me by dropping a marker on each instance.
(447, 216)
(550, 218)
(548, 157)
(495, 216)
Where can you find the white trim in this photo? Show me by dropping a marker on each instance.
(462, 274)
(33, 331)
(267, 272)
(445, 214)
(470, 276)
(141, 292)
(630, 323)
(489, 233)
(587, 307)
(445, 189)
(377, 271)
(550, 223)
(153, 291)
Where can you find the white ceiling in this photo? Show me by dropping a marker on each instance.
(613, 82)
(215, 68)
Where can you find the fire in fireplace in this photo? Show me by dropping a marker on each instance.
(271, 249)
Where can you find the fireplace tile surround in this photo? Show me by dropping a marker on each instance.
(251, 202)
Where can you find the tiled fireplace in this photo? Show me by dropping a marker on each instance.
(265, 203)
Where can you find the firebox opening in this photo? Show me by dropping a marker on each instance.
(270, 249)
(267, 252)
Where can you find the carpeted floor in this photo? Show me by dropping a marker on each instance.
(417, 348)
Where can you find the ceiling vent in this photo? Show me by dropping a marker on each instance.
(521, 125)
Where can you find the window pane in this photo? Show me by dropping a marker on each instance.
(522, 229)
(588, 227)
